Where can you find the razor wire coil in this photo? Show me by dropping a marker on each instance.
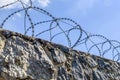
(84, 38)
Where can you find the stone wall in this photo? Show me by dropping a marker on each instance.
(27, 58)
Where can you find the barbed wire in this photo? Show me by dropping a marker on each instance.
(64, 27)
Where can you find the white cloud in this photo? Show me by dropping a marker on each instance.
(108, 2)
(18, 14)
(5, 2)
(84, 5)
(42, 3)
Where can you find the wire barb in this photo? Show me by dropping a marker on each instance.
(64, 27)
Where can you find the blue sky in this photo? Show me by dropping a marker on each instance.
(94, 16)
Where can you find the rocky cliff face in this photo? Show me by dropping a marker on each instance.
(26, 58)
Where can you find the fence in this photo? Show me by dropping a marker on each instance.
(60, 30)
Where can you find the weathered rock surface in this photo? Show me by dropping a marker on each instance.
(26, 58)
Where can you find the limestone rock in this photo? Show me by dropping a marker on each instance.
(27, 58)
